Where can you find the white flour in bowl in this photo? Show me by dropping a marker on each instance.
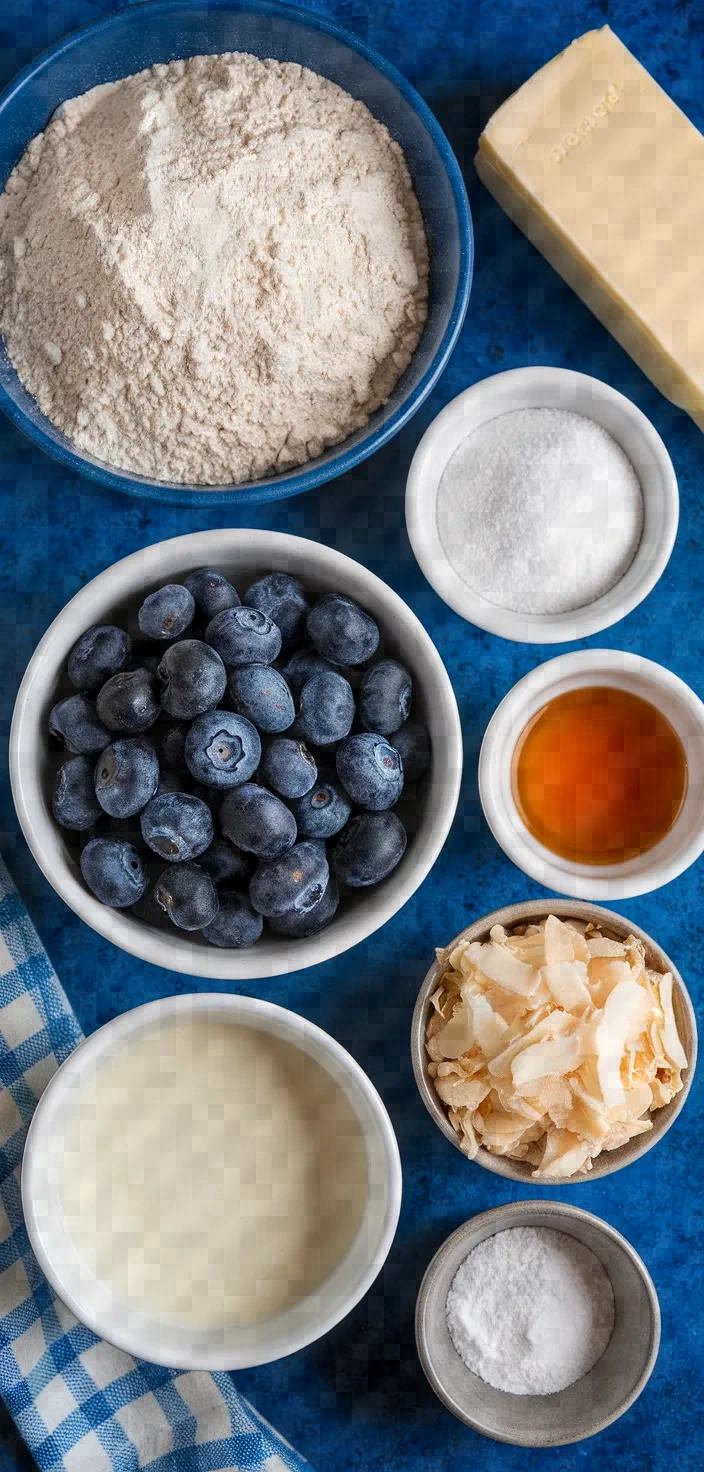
(213, 270)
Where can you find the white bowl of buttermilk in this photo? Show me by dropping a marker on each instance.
(210, 1182)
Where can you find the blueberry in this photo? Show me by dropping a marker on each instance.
(261, 693)
(370, 770)
(257, 821)
(74, 803)
(126, 776)
(226, 863)
(127, 702)
(341, 631)
(222, 749)
(173, 745)
(99, 653)
(295, 882)
(322, 812)
(370, 848)
(300, 665)
(244, 636)
(167, 613)
(177, 826)
(236, 924)
(75, 720)
(188, 896)
(325, 709)
(288, 767)
(114, 872)
(300, 923)
(282, 598)
(385, 697)
(211, 591)
(148, 911)
(192, 679)
(412, 742)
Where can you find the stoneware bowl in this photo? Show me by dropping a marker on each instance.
(138, 36)
(544, 388)
(595, 1401)
(615, 926)
(601, 667)
(243, 555)
(126, 1325)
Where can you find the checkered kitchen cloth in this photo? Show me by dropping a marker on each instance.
(79, 1403)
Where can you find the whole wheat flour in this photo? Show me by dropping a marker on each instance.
(211, 270)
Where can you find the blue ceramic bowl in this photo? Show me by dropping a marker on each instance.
(163, 30)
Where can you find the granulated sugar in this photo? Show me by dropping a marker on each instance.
(530, 1310)
(212, 270)
(540, 511)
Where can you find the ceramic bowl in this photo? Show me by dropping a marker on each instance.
(138, 36)
(590, 1404)
(243, 555)
(531, 912)
(602, 667)
(126, 1324)
(544, 388)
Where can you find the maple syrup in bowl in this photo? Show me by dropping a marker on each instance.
(591, 774)
(599, 775)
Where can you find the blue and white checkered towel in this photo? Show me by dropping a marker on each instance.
(80, 1404)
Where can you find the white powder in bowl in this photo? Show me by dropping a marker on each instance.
(212, 270)
(530, 1310)
(540, 511)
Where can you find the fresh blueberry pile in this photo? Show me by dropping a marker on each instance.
(239, 764)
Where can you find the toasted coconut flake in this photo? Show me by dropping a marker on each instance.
(558, 941)
(461, 1121)
(603, 974)
(551, 1056)
(565, 1154)
(600, 945)
(461, 1093)
(457, 1036)
(496, 962)
(669, 1035)
(489, 1027)
(438, 998)
(622, 1018)
(547, 1027)
(620, 1134)
(566, 982)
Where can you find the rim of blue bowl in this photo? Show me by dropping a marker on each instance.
(259, 492)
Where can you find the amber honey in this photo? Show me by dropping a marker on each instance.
(599, 775)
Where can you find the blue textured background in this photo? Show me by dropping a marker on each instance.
(358, 1399)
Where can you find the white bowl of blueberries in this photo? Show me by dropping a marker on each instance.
(236, 753)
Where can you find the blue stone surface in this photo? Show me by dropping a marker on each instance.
(357, 1401)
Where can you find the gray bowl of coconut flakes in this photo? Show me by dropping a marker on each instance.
(532, 1296)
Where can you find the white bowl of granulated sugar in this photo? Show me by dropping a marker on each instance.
(542, 505)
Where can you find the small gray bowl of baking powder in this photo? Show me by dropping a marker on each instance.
(599, 1396)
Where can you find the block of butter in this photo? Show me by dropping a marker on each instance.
(605, 175)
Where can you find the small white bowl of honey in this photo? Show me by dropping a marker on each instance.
(591, 775)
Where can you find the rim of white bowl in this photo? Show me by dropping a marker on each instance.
(161, 560)
(289, 1331)
(559, 388)
(612, 667)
